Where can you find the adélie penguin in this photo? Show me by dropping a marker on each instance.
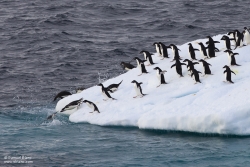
(164, 50)
(105, 93)
(92, 106)
(113, 87)
(231, 57)
(160, 75)
(190, 65)
(206, 65)
(246, 36)
(148, 57)
(127, 66)
(227, 73)
(203, 50)
(211, 43)
(62, 94)
(240, 39)
(191, 51)
(178, 65)
(175, 51)
(195, 75)
(138, 89)
(140, 65)
(157, 48)
(227, 40)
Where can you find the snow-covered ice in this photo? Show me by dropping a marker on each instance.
(213, 106)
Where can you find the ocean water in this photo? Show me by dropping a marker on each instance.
(49, 46)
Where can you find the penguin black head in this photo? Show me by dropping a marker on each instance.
(85, 101)
(156, 68)
(186, 60)
(223, 37)
(155, 43)
(134, 81)
(100, 84)
(189, 44)
(135, 58)
(200, 43)
(245, 28)
(228, 51)
(143, 51)
(201, 60)
(225, 66)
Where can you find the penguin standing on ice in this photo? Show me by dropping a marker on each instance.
(195, 75)
(226, 39)
(157, 48)
(62, 94)
(160, 75)
(138, 89)
(203, 50)
(141, 66)
(191, 51)
(239, 41)
(228, 72)
(91, 105)
(211, 47)
(246, 36)
(105, 93)
(148, 57)
(231, 57)
(233, 36)
(190, 65)
(113, 87)
(175, 51)
(206, 65)
(178, 65)
(127, 66)
(164, 50)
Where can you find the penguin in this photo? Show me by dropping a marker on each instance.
(175, 51)
(178, 65)
(105, 93)
(127, 66)
(91, 105)
(231, 57)
(72, 105)
(157, 48)
(62, 94)
(140, 65)
(138, 89)
(52, 116)
(203, 50)
(195, 73)
(80, 89)
(228, 72)
(246, 36)
(190, 65)
(164, 50)
(160, 75)
(148, 57)
(226, 39)
(211, 47)
(240, 39)
(191, 50)
(206, 65)
(233, 36)
(113, 87)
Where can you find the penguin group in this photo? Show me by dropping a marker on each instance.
(207, 50)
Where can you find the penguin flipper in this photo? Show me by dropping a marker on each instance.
(173, 65)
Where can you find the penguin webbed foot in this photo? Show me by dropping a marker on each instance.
(134, 96)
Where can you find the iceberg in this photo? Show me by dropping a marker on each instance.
(213, 106)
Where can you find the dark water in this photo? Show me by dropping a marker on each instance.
(49, 46)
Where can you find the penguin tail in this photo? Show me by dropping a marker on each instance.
(114, 99)
(120, 83)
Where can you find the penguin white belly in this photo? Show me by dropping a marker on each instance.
(189, 54)
(225, 43)
(226, 76)
(138, 64)
(157, 50)
(147, 60)
(158, 76)
(145, 56)
(137, 90)
(247, 38)
(69, 112)
(127, 69)
(113, 89)
(90, 105)
(162, 52)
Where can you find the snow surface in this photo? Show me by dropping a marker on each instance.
(213, 106)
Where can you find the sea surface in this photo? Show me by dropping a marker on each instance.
(50, 46)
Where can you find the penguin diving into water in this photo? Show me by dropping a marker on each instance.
(160, 75)
(113, 87)
(62, 94)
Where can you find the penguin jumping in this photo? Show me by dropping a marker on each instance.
(178, 65)
(148, 57)
(91, 105)
(62, 94)
(164, 50)
(228, 72)
(105, 93)
(138, 89)
(231, 57)
(191, 51)
(203, 50)
(196, 77)
(127, 66)
(113, 87)
(206, 65)
(160, 75)
(140, 65)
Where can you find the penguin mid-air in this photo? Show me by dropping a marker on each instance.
(141, 66)
(92, 106)
(105, 93)
(240, 39)
(148, 57)
(228, 72)
(191, 51)
(203, 50)
(190, 65)
(62, 94)
(206, 65)
(178, 65)
(157, 48)
(138, 89)
(72, 105)
(160, 75)
(127, 66)
(113, 87)
(246, 36)
(231, 57)
(175, 51)
(226, 39)
(164, 50)
(211, 47)
(196, 77)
